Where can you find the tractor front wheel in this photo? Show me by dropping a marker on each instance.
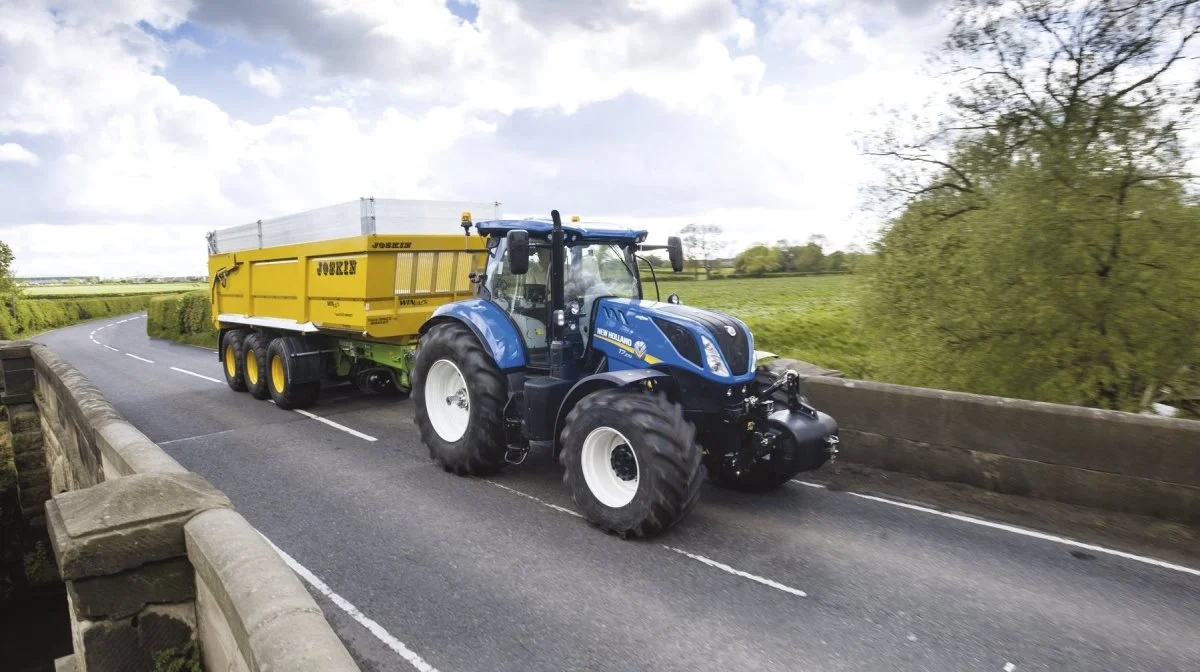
(460, 395)
(631, 461)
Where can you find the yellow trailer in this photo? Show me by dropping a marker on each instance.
(339, 292)
(377, 287)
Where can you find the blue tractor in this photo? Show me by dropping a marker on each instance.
(559, 355)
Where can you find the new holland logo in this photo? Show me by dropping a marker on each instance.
(730, 330)
(639, 349)
(624, 340)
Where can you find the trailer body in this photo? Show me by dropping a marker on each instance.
(375, 287)
(349, 286)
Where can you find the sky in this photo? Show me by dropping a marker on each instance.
(129, 128)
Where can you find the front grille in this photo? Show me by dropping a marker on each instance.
(735, 347)
(682, 339)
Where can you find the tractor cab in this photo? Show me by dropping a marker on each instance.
(598, 262)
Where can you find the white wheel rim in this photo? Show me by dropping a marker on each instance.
(613, 489)
(447, 400)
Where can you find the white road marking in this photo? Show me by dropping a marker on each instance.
(108, 325)
(737, 572)
(327, 421)
(1033, 533)
(198, 436)
(539, 501)
(810, 484)
(140, 359)
(354, 612)
(110, 348)
(1009, 667)
(193, 373)
(699, 558)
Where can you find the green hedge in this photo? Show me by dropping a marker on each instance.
(21, 317)
(185, 318)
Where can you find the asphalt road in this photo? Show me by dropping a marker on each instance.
(469, 574)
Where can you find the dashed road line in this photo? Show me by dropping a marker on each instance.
(193, 373)
(354, 612)
(110, 347)
(1031, 533)
(331, 423)
(810, 484)
(699, 558)
(539, 501)
(737, 572)
(140, 359)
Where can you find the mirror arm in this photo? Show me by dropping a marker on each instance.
(657, 294)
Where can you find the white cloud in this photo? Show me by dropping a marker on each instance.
(11, 152)
(647, 113)
(260, 79)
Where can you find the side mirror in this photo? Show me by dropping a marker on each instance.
(518, 251)
(675, 252)
(674, 298)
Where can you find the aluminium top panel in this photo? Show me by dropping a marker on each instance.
(352, 218)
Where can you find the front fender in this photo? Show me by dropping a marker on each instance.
(492, 326)
(660, 380)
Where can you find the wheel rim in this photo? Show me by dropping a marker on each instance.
(447, 400)
(610, 467)
(251, 367)
(277, 374)
(230, 361)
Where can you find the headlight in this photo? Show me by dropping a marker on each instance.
(713, 356)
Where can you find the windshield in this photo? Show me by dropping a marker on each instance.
(597, 270)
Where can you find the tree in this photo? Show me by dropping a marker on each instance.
(8, 284)
(809, 259)
(757, 260)
(704, 244)
(1045, 244)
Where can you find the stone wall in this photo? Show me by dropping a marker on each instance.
(1110, 460)
(153, 556)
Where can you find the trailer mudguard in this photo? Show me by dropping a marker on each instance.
(660, 381)
(494, 329)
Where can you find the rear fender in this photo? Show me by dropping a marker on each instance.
(494, 329)
(661, 382)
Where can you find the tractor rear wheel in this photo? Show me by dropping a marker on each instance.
(631, 462)
(254, 364)
(232, 364)
(460, 395)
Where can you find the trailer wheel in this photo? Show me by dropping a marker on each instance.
(231, 359)
(631, 462)
(282, 372)
(460, 395)
(255, 360)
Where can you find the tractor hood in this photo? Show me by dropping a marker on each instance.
(638, 334)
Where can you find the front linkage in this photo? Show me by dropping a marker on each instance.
(768, 437)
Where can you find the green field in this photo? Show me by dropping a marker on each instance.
(114, 289)
(808, 318)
